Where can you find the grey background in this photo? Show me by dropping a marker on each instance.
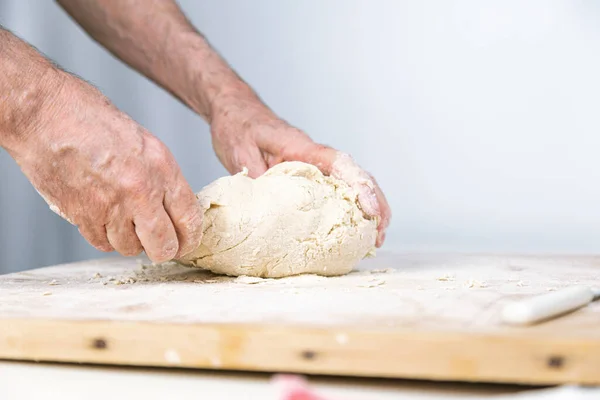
(480, 119)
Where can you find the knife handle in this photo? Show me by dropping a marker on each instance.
(546, 306)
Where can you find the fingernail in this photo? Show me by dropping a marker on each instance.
(170, 252)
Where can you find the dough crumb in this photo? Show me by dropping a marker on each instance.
(46, 293)
(53, 282)
(382, 271)
(289, 291)
(205, 281)
(248, 280)
(372, 283)
(473, 283)
(446, 278)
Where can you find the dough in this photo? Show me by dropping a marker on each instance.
(291, 220)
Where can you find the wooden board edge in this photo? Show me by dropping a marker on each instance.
(476, 357)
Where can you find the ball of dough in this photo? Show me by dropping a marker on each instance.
(291, 220)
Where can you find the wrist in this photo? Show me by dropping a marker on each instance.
(207, 84)
(29, 108)
(27, 83)
(240, 99)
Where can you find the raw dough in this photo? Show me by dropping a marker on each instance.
(291, 220)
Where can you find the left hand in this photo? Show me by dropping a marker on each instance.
(245, 133)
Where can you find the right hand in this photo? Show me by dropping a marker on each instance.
(247, 134)
(107, 175)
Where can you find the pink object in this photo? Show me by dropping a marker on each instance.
(294, 387)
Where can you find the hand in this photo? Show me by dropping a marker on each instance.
(247, 134)
(107, 175)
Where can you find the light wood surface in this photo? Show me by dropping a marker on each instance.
(410, 316)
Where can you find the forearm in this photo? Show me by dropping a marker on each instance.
(155, 38)
(27, 82)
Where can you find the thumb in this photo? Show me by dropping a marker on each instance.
(321, 156)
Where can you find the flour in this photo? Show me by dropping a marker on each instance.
(292, 220)
(411, 296)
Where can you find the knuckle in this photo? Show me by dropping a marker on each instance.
(192, 217)
(157, 152)
(154, 226)
(132, 183)
(192, 220)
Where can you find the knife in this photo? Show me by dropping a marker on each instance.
(551, 305)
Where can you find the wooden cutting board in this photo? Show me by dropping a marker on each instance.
(409, 316)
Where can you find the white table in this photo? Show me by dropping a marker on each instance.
(24, 381)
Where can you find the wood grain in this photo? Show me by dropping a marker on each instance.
(173, 316)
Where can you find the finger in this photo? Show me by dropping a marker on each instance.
(251, 157)
(346, 169)
(96, 236)
(185, 214)
(321, 156)
(384, 207)
(367, 199)
(384, 221)
(272, 159)
(297, 146)
(370, 197)
(385, 214)
(373, 203)
(286, 143)
(380, 239)
(291, 144)
(122, 237)
(369, 203)
(157, 234)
